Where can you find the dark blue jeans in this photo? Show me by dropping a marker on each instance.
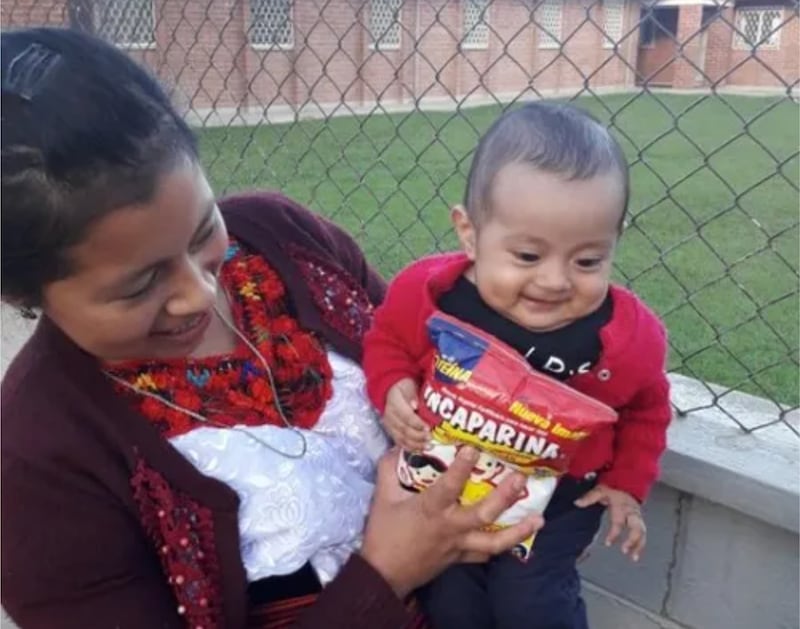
(504, 593)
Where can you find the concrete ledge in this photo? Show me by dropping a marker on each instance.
(711, 457)
(609, 611)
(723, 524)
(706, 567)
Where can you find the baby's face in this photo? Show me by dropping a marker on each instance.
(542, 257)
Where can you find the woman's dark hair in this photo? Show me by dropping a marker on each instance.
(553, 137)
(85, 130)
(419, 461)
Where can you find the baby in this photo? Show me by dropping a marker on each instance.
(545, 204)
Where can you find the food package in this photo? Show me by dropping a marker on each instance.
(480, 392)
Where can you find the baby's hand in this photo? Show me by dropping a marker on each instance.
(623, 512)
(400, 417)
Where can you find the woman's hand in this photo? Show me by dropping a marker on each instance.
(410, 538)
(400, 417)
(624, 512)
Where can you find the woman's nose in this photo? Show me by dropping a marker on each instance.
(196, 291)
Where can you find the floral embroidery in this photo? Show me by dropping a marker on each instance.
(342, 301)
(234, 389)
(183, 532)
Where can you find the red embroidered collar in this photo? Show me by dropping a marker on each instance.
(232, 389)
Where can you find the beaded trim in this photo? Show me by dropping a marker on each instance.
(183, 533)
(341, 300)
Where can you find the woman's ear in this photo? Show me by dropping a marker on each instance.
(465, 230)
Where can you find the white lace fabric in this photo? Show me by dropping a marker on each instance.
(294, 511)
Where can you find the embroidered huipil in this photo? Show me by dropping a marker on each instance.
(106, 524)
(292, 510)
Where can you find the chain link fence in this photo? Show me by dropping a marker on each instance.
(368, 111)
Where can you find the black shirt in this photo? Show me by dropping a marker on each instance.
(562, 353)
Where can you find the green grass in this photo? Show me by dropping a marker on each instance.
(713, 239)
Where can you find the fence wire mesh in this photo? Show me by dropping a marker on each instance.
(368, 111)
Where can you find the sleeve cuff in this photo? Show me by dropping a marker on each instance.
(639, 487)
(357, 598)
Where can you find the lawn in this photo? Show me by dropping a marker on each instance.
(712, 243)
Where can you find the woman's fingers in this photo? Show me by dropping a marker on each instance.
(489, 509)
(496, 542)
(446, 491)
(484, 513)
(474, 557)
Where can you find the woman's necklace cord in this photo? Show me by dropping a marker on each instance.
(205, 420)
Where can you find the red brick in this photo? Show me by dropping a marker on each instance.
(203, 51)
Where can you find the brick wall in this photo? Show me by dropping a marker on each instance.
(719, 40)
(706, 54)
(332, 59)
(767, 67)
(33, 12)
(656, 62)
(690, 63)
(202, 50)
(726, 64)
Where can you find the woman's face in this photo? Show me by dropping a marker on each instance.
(144, 278)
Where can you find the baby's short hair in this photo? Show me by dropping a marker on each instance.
(553, 137)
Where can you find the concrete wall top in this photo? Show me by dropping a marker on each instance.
(710, 456)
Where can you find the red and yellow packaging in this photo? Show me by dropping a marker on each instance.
(480, 392)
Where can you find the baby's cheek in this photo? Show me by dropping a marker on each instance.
(502, 291)
(592, 292)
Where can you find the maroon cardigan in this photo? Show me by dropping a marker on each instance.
(98, 508)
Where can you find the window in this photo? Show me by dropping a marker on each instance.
(127, 23)
(710, 15)
(655, 24)
(271, 24)
(647, 30)
(757, 27)
(549, 20)
(384, 23)
(475, 23)
(613, 22)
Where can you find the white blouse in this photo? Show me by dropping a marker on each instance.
(294, 511)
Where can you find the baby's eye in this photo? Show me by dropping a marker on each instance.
(524, 256)
(590, 263)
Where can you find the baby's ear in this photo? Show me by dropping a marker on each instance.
(465, 230)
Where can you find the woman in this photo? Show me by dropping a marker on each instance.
(186, 441)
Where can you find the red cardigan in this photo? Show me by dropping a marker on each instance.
(629, 376)
(104, 523)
